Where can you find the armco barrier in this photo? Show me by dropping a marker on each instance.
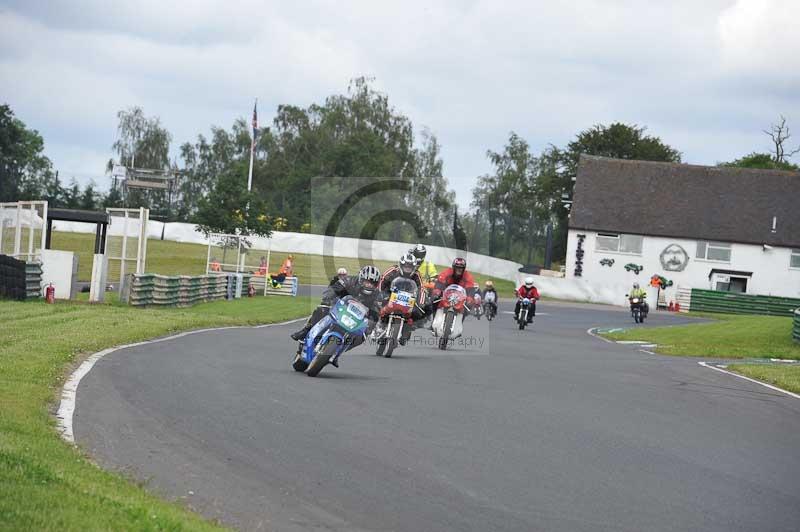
(730, 303)
(182, 291)
(796, 325)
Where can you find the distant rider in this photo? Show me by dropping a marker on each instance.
(527, 290)
(341, 274)
(641, 293)
(364, 288)
(488, 287)
(427, 270)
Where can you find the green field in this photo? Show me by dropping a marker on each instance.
(729, 336)
(781, 375)
(174, 258)
(46, 484)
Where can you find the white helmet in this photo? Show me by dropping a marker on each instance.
(341, 271)
(528, 282)
(635, 286)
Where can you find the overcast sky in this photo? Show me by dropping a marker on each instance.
(706, 77)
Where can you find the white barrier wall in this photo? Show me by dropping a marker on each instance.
(772, 273)
(61, 269)
(575, 289)
(315, 244)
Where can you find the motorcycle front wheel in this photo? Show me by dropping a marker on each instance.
(322, 358)
(448, 328)
(393, 339)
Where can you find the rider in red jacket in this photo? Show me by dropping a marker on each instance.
(527, 290)
(457, 274)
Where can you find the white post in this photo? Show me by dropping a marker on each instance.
(208, 255)
(266, 275)
(17, 233)
(124, 253)
(141, 255)
(44, 228)
(31, 231)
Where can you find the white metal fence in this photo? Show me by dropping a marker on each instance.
(23, 229)
(126, 242)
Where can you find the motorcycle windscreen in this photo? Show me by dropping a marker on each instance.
(350, 314)
(403, 292)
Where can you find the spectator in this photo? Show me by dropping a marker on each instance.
(215, 265)
(287, 270)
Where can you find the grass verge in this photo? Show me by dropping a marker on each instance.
(730, 336)
(46, 484)
(176, 258)
(781, 375)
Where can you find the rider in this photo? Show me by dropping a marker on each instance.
(641, 293)
(527, 290)
(427, 270)
(488, 286)
(363, 288)
(341, 274)
(457, 274)
(406, 267)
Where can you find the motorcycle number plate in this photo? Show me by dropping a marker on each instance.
(356, 309)
(403, 298)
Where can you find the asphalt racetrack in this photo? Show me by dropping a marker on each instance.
(543, 429)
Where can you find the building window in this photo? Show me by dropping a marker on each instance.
(631, 244)
(718, 251)
(794, 262)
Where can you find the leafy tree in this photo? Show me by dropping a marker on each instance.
(25, 172)
(559, 166)
(763, 161)
(89, 198)
(229, 208)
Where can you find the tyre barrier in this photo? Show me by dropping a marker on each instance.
(150, 289)
(732, 303)
(20, 280)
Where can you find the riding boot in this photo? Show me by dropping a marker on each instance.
(301, 334)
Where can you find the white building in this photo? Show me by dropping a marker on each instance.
(716, 228)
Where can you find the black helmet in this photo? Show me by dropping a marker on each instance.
(407, 265)
(459, 267)
(419, 252)
(368, 279)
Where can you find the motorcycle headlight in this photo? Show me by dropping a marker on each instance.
(348, 322)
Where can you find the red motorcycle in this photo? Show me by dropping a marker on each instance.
(396, 315)
(449, 317)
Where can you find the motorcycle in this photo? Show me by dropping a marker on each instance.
(331, 336)
(395, 316)
(637, 309)
(449, 317)
(524, 310)
(490, 305)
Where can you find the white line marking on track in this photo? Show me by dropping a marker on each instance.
(66, 409)
(771, 387)
(537, 314)
(591, 332)
(631, 342)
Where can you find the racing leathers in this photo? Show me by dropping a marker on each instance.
(531, 293)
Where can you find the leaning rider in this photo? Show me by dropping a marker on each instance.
(529, 291)
(363, 288)
(406, 267)
(641, 293)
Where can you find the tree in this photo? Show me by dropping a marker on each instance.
(25, 172)
(88, 199)
(764, 161)
(559, 167)
(779, 134)
(229, 208)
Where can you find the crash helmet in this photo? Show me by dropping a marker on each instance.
(419, 252)
(635, 286)
(459, 267)
(341, 273)
(407, 264)
(368, 279)
(488, 284)
(528, 282)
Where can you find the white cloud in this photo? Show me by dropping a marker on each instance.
(706, 77)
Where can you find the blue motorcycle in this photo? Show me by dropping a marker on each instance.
(332, 335)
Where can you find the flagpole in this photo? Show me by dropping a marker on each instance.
(252, 150)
